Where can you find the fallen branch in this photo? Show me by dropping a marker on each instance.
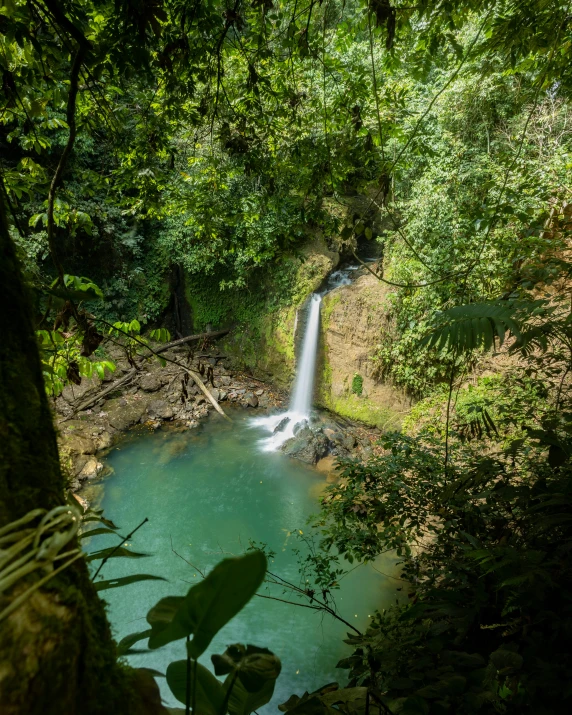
(163, 348)
(188, 339)
(206, 392)
(92, 400)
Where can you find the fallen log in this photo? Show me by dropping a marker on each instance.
(94, 398)
(188, 339)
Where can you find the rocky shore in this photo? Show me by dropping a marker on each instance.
(154, 395)
(157, 395)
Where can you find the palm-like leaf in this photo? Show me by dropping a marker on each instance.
(474, 326)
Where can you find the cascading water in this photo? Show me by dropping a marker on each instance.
(283, 425)
(304, 387)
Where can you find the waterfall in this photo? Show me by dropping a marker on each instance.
(301, 402)
(282, 425)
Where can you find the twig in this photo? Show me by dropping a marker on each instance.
(119, 545)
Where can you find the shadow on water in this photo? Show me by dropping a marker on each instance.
(207, 494)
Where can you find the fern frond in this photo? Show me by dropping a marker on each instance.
(473, 327)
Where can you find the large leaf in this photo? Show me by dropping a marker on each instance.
(124, 645)
(209, 696)
(210, 604)
(125, 581)
(254, 666)
(114, 553)
(242, 702)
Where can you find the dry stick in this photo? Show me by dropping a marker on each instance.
(204, 388)
(198, 336)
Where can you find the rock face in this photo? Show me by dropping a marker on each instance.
(353, 317)
(267, 348)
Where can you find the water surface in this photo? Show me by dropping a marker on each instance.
(207, 494)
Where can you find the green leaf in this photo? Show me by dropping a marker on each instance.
(210, 604)
(113, 552)
(209, 695)
(242, 702)
(125, 581)
(254, 666)
(125, 644)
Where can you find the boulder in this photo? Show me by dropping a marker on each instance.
(250, 399)
(281, 425)
(103, 441)
(122, 414)
(224, 380)
(215, 393)
(299, 426)
(80, 444)
(91, 469)
(149, 383)
(307, 446)
(160, 409)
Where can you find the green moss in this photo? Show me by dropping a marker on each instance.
(328, 305)
(364, 410)
(357, 384)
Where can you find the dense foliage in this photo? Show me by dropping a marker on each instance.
(184, 151)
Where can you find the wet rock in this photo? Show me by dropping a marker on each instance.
(307, 446)
(160, 409)
(91, 469)
(299, 426)
(103, 441)
(149, 383)
(348, 441)
(123, 414)
(281, 425)
(250, 399)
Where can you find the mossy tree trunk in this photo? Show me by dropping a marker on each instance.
(56, 651)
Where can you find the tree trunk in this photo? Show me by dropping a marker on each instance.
(56, 651)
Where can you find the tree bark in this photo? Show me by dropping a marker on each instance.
(56, 651)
